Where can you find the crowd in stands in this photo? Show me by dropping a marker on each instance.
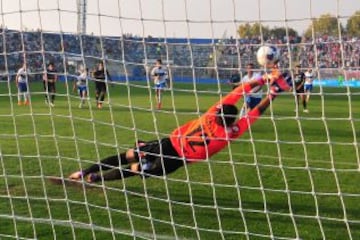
(188, 57)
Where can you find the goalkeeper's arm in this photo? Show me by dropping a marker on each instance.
(242, 89)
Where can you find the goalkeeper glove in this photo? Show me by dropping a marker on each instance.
(282, 83)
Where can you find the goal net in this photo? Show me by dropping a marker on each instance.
(293, 175)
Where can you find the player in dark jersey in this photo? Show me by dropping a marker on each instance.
(194, 141)
(299, 80)
(101, 77)
(49, 82)
(235, 79)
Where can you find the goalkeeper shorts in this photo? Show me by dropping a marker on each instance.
(158, 157)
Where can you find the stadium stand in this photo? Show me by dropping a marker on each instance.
(210, 58)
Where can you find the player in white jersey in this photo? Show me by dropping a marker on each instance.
(159, 75)
(21, 81)
(81, 85)
(254, 97)
(308, 86)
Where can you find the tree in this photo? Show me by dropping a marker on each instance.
(324, 25)
(244, 30)
(253, 30)
(353, 24)
(280, 33)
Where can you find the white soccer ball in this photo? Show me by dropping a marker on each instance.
(267, 56)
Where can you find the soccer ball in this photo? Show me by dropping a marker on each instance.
(267, 56)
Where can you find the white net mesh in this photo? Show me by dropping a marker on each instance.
(293, 175)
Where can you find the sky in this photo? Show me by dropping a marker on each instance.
(169, 18)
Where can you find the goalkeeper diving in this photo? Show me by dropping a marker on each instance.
(196, 140)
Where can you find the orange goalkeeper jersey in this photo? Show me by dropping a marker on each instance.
(201, 138)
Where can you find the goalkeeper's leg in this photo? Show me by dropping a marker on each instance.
(113, 174)
(105, 164)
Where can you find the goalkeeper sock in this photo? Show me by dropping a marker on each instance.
(106, 164)
(117, 174)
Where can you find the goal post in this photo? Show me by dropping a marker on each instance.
(293, 175)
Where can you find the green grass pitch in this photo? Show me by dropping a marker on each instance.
(293, 175)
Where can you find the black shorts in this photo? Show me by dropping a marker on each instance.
(158, 157)
(100, 86)
(300, 90)
(49, 86)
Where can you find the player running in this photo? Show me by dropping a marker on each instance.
(299, 80)
(194, 141)
(159, 75)
(101, 76)
(49, 81)
(253, 98)
(81, 84)
(308, 86)
(21, 82)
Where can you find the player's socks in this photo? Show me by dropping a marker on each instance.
(93, 177)
(118, 174)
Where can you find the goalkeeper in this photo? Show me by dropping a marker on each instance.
(194, 141)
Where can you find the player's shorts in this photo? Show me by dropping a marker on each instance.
(82, 88)
(158, 157)
(49, 86)
(308, 87)
(22, 87)
(252, 102)
(100, 86)
(161, 85)
(300, 90)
